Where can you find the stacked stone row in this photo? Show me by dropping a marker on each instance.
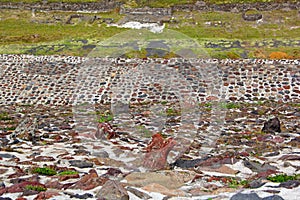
(59, 80)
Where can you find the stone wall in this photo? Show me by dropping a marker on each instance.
(108, 6)
(89, 7)
(64, 80)
(264, 6)
(146, 11)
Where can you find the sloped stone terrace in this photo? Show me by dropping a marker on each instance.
(38, 133)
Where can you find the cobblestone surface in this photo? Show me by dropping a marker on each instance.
(68, 80)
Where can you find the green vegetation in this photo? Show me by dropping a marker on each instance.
(164, 103)
(10, 128)
(68, 172)
(105, 118)
(51, 1)
(44, 171)
(21, 32)
(233, 183)
(283, 178)
(5, 117)
(172, 112)
(229, 25)
(35, 188)
(231, 105)
(296, 105)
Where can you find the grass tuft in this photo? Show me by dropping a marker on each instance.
(68, 172)
(35, 188)
(44, 171)
(282, 178)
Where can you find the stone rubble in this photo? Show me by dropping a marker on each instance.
(39, 127)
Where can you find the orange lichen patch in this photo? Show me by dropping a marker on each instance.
(278, 55)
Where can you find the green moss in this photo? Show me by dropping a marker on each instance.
(35, 188)
(283, 178)
(69, 172)
(44, 171)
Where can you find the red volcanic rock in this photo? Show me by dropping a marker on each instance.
(290, 157)
(2, 171)
(157, 152)
(43, 159)
(89, 181)
(46, 195)
(20, 187)
(265, 174)
(19, 173)
(105, 128)
(157, 142)
(212, 98)
(57, 185)
(34, 178)
(218, 160)
(68, 176)
(112, 172)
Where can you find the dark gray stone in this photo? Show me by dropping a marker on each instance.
(251, 17)
(272, 126)
(100, 153)
(80, 163)
(5, 198)
(257, 167)
(274, 197)
(290, 184)
(138, 193)
(256, 183)
(81, 196)
(182, 163)
(6, 155)
(240, 196)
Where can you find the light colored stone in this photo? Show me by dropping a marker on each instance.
(168, 179)
(113, 190)
(154, 187)
(223, 169)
